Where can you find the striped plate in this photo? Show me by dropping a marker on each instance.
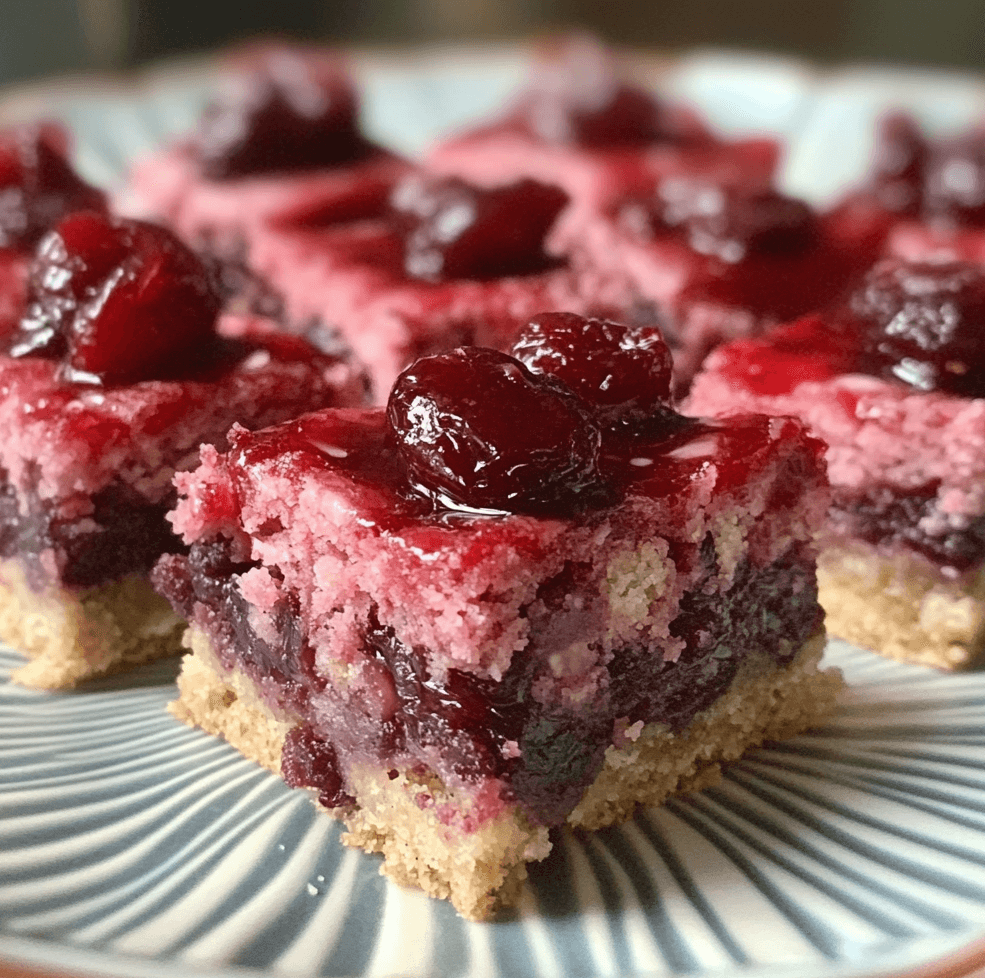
(131, 845)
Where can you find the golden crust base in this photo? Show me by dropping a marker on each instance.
(71, 636)
(479, 871)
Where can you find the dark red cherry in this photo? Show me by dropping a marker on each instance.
(924, 324)
(292, 112)
(476, 429)
(119, 300)
(624, 372)
(726, 222)
(577, 98)
(899, 168)
(38, 187)
(955, 188)
(454, 230)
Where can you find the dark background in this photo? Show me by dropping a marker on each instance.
(44, 37)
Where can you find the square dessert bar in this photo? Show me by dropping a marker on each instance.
(458, 629)
(282, 133)
(450, 264)
(113, 377)
(893, 384)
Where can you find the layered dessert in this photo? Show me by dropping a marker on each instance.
(579, 124)
(450, 263)
(893, 382)
(525, 593)
(719, 261)
(281, 134)
(118, 367)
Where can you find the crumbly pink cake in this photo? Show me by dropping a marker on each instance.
(458, 629)
(893, 384)
(450, 264)
(282, 135)
(579, 125)
(114, 376)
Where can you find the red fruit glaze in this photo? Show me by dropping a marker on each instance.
(119, 300)
(293, 112)
(621, 371)
(37, 185)
(924, 324)
(476, 429)
(454, 230)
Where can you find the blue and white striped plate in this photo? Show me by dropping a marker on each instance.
(132, 845)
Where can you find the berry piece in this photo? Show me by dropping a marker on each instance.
(37, 186)
(476, 429)
(119, 300)
(576, 98)
(624, 372)
(292, 112)
(924, 323)
(955, 189)
(454, 230)
(899, 168)
(725, 222)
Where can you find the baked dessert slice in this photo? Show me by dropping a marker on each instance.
(281, 134)
(449, 264)
(579, 124)
(893, 383)
(526, 593)
(720, 261)
(113, 376)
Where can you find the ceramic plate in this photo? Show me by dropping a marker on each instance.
(132, 845)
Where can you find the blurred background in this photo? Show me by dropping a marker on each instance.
(44, 37)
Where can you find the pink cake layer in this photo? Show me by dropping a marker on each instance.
(169, 186)
(63, 441)
(352, 277)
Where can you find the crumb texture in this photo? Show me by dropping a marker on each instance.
(900, 607)
(72, 636)
(422, 827)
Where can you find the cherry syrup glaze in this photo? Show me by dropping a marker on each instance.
(117, 301)
(942, 181)
(576, 98)
(545, 754)
(293, 111)
(452, 229)
(38, 187)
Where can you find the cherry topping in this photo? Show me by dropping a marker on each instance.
(454, 230)
(924, 323)
(476, 429)
(900, 165)
(725, 222)
(576, 98)
(292, 112)
(624, 372)
(38, 187)
(119, 300)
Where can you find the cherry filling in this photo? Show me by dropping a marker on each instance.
(294, 112)
(942, 181)
(452, 229)
(725, 222)
(117, 301)
(577, 99)
(924, 324)
(38, 187)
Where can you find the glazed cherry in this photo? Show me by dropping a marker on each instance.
(119, 301)
(37, 186)
(955, 189)
(293, 112)
(577, 99)
(454, 230)
(475, 429)
(922, 323)
(899, 169)
(725, 222)
(623, 372)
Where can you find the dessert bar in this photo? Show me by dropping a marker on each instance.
(526, 593)
(111, 378)
(893, 383)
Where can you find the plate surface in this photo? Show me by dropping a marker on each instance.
(132, 845)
